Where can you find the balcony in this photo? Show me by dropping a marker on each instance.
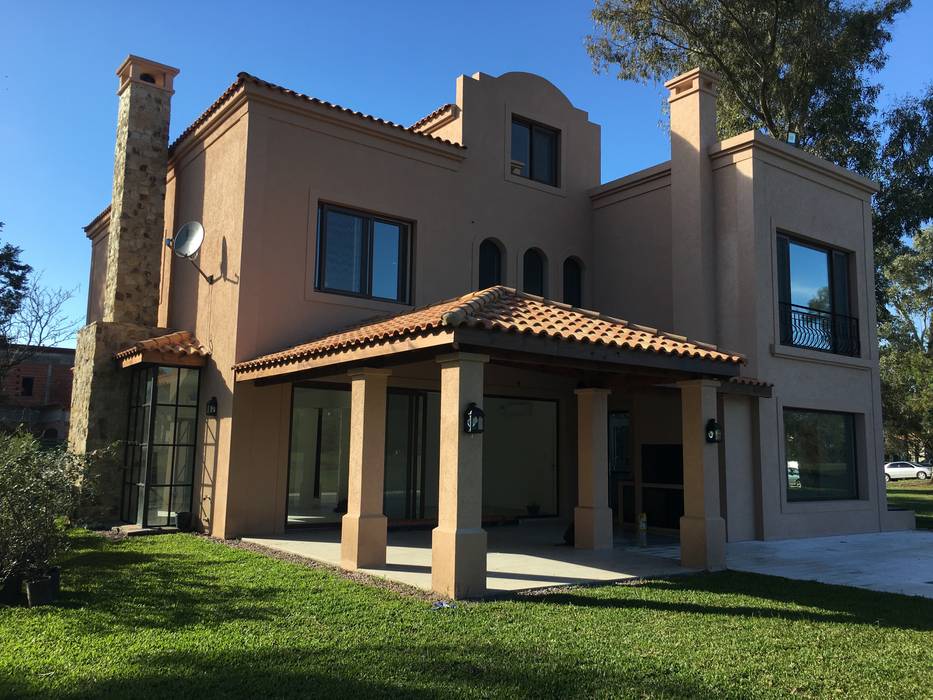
(803, 327)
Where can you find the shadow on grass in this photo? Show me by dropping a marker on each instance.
(436, 671)
(823, 603)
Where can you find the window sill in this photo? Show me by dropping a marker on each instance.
(789, 352)
(358, 302)
(805, 507)
(534, 184)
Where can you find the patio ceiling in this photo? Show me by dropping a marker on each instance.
(513, 328)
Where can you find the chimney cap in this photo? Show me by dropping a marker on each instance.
(697, 79)
(136, 69)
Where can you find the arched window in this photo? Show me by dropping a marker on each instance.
(533, 274)
(490, 264)
(573, 282)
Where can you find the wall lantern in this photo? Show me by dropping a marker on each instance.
(713, 431)
(474, 420)
(211, 408)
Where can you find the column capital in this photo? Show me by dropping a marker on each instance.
(710, 383)
(365, 372)
(456, 357)
(592, 391)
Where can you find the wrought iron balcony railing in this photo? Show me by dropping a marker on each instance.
(804, 327)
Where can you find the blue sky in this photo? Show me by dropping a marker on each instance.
(396, 60)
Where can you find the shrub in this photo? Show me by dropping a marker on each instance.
(42, 490)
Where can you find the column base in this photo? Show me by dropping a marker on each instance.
(592, 528)
(363, 541)
(703, 543)
(458, 562)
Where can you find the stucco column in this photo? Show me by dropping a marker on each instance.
(363, 532)
(702, 529)
(592, 518)
(458, 543)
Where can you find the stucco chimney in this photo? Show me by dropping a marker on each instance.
(134, 254)
(693, 130)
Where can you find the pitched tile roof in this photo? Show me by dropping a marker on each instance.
(244, 78)
(436, 113)
(179, 343)
(500, 309)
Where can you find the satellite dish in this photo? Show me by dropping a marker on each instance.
(188, 240)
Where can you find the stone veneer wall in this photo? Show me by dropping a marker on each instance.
(134, 255)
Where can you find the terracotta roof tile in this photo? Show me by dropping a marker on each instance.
(436, 113)
(751, 381)
(243, 78)
(505, 310)
(98, 218)
(181, 343)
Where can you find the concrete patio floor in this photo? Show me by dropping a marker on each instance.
(892, 562)
(520, 557)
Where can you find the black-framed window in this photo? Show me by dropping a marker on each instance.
(814, 298)
(362, 254)
(535, 151)
(820, 454)
(573, 282)
(27, 385)
(490, 264)
(533, 272)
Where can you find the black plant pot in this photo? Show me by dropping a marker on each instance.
(41, 591)
(11, 592)
(183, 521)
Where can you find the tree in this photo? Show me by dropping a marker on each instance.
(907, 352)
(786, 65)
(31, 315)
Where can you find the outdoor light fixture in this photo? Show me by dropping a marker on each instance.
(474, 420)
(713, 431)
(211, 408)
(792, 138)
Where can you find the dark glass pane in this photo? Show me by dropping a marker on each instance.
(387, 239)
(188, 387)
(544, 156)
(167, 385)
(490, 264)
(186, 426)
(534, 272)
(662, 464)
(164, 429)
(663, 507)
(160, 467)
(184, 465)
(146, 387)
(157, 510)
(573, 282)
(142, 426)
(343, 252)
(181, 499)
(820, 451)
(521, 146)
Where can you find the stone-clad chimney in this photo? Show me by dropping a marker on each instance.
(134, 255)
(129, 295)
(693, 131)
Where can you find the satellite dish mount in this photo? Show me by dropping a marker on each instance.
(187, 243)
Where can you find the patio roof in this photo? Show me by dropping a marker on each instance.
(177, 349)
(500, 320)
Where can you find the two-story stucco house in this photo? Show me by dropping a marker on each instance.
(423, 325)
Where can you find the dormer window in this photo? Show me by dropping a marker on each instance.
(535, 151)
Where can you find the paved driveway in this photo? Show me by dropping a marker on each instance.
(894, 562)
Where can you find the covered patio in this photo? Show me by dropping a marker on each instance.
(508, 331)
(519, 557)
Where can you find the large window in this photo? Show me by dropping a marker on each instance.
(573, 282)
(160, 445)
(814, 297)
(490, 264)
(535, 151)
(363, 255)
(820, 454)
(533, 272)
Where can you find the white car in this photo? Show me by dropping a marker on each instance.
(906, 470)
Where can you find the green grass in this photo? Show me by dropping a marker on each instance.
(178, 616)
(914, 495)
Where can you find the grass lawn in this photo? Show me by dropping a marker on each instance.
(178, 616)
(914, 495)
